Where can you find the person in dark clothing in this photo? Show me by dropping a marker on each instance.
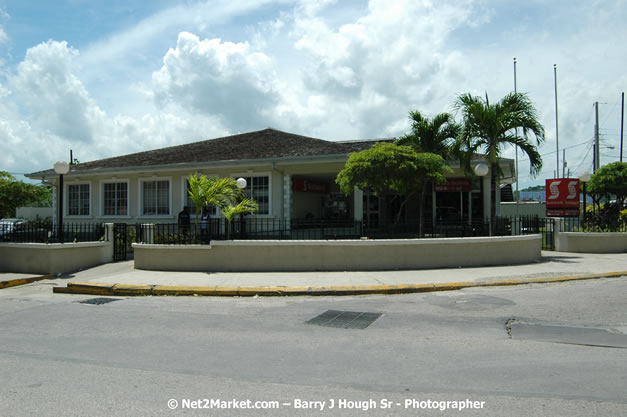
(184, 220)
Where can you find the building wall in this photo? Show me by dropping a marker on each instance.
(283, 202)
(31, 213)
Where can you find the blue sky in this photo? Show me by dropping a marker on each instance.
(108, 78)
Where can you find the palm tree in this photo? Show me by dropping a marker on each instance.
(489, 128)
(435, 135)
(438, 136)
(219, 192)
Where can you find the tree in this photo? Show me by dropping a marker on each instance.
(14, 193)
(222, 193)
(610, 180)
(437, 135)
(388, 169)
(489, 128)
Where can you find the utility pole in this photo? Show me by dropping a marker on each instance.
(557, 146)
(564, 164)
(622, 117)
(597, 148)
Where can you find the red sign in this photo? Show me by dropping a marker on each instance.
(562, 197)
(454, 185)
(307, 186)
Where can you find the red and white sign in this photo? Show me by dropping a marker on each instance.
(562, 197)
(308, 186)
(454, 185)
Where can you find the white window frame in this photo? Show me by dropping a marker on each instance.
(128, 199)
(66, 200)
(140, 198)
(259, 174)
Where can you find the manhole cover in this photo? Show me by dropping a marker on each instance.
(344, 319)
(99, 301)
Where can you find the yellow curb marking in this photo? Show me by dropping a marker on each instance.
(170, 290)
(21, 281)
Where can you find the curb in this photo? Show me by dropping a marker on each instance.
(21, 281)
(94, 288)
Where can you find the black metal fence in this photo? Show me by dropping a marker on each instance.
(280, 229)
(255, 229)
(24, 232)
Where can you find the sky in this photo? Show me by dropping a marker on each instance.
(110, 78)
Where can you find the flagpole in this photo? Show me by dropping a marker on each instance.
(516, 147)
(557, 146)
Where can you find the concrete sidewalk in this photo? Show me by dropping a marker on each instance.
(123, 279)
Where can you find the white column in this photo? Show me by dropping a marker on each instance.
(55, 203)
(358, 205)
(287, 198)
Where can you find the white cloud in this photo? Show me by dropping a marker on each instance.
(332, 69)
(218, 78)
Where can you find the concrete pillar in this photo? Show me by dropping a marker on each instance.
(55, 204)
(287, 198)
(148, 231)
(358, 205)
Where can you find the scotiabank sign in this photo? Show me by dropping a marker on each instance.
(562, 197)
(454, 185)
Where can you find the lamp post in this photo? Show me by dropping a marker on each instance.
(241, 184)
(61, 168)
(584, 178)
(481, 170)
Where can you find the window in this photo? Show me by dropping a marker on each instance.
(115, 199)
(258, 189)
(156, 198)
(78, 199)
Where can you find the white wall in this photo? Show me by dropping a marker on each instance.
(31, 213)
(340, 255)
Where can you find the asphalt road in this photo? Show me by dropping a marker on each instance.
(133, 355)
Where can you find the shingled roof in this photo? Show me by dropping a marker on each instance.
(262, 144)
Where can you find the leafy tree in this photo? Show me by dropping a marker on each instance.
(388, 169)
(437, 135)
(14, 193)
(490, 128)
(610, 180)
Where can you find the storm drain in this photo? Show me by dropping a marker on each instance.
(344, 319)
(99, 301)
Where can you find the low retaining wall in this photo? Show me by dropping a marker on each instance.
(591, 242)
(54, 258)
(339, 255)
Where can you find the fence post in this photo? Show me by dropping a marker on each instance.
(148, 233)
(557, 229)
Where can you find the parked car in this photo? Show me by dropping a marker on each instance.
(20, 230)
(8, 225)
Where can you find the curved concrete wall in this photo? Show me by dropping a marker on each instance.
(340, 255)
(591, 242)
(48, 259)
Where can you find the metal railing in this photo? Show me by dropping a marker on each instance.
(24, 232)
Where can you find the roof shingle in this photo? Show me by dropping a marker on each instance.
(262, 144)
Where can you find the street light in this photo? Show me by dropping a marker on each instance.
(61, 168)
(584, 178)
(481, 169)
(241, 184)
